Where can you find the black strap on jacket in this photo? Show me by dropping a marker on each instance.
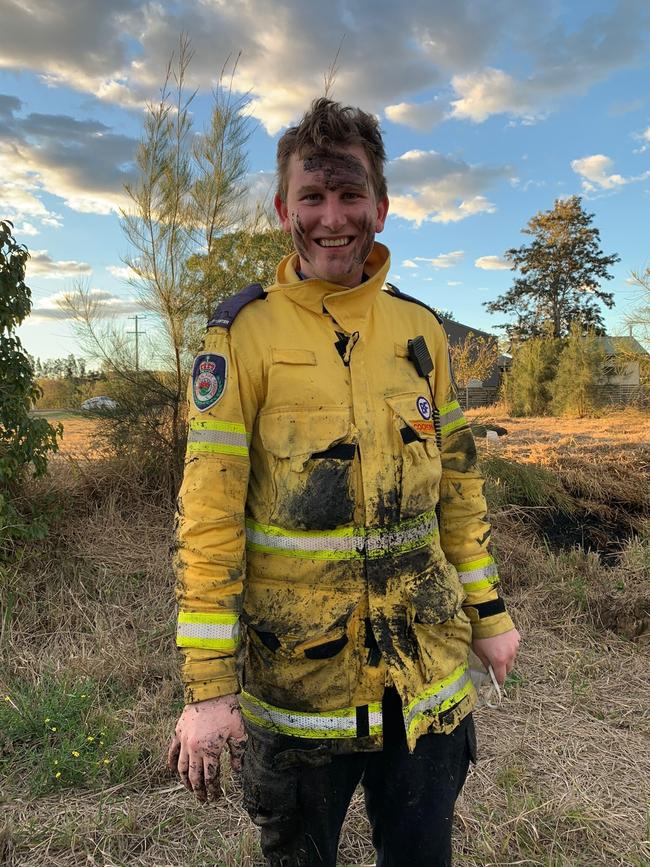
(228, 310)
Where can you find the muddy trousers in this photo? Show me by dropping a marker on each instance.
(298, 793)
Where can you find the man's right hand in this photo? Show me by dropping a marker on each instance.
(202, 731)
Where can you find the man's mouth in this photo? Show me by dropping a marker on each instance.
(333, 242)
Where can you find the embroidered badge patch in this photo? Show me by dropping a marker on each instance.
(208, 380)
(424, 408)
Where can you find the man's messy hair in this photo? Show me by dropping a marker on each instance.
(324, 129)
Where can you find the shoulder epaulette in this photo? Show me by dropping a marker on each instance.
(226, 312)
(397, 293)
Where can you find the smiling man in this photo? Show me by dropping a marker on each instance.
(333, 560)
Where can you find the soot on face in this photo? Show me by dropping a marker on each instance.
(337, 170)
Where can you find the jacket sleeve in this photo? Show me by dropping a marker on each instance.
(464, 526)
(210, 549)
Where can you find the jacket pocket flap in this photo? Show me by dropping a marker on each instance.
(293, 356)
(416, 411)
(286, 434)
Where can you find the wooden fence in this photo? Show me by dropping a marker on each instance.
(609, 395)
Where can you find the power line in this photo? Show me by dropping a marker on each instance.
(137, 335)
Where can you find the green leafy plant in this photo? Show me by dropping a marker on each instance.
(56, 735)
(25, 442)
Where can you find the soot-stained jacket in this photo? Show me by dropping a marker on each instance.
(332, 526)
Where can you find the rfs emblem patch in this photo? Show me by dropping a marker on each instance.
(208, 380)
(424, 408)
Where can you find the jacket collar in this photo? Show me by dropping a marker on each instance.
(348, 307)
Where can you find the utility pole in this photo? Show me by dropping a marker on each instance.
(137, 334)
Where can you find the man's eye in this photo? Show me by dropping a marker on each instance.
(351, 196)
(311, 197)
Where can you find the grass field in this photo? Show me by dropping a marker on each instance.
(89, 691)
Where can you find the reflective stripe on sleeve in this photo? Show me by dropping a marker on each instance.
(478, 574)
(451, 418)
(327, 724)
(208, 631)
(346, 543)
(217, 437)
(439, 697)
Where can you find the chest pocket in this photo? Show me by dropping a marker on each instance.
(417, 455)
(311, 458)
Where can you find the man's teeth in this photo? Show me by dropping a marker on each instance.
(333, 242)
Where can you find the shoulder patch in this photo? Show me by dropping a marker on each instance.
(397, 293)
(228, 310)
(209, 376)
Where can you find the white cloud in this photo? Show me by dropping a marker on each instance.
(491, 263)
(25, 229)
(454, 283)
(443, 260)
(117, 51)
(596, 173)
(409, 263)
(421, 116)
(81, 161)
(106, 303)
(41, 264)
(646, 134)
(121, 272)
(488, 92)
(425, 185)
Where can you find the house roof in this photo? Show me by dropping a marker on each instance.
(457, 332)
(622, 345)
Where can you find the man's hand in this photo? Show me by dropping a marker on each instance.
(499, 652)
(202, 731)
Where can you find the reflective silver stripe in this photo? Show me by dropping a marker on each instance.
(451, 417)
(328, 724)
(224, 438)
(212, 631)
(491, 571)
(434, 700)
(406, 535)
(350, 541)
(288, 540)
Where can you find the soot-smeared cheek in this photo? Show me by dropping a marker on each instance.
(298, 235)
(323, 501)
(367, 237)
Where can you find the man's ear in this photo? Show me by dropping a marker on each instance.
(282, 212)
(382, 213)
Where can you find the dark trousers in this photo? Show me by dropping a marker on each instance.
(299, 795)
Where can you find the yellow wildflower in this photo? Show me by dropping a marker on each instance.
(75, 753)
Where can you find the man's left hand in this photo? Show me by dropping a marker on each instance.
(499, 652)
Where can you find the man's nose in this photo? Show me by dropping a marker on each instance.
(333, 215)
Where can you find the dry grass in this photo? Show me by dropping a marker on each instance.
(564, 772)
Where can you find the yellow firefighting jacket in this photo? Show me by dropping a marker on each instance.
(333, 514)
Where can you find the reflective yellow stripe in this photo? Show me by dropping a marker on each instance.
(345, 543)
(342, 544)
(451, 418)
(478, 574)
(438, 698)
(217, 437)
(207, 631)
(302, 724)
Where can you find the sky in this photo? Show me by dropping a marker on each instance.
(491, 110)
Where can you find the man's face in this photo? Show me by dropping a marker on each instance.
(332, 214)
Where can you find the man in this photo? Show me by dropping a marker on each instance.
(333, 512)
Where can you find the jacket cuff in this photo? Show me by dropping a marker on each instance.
(488, 627)
(203, 679)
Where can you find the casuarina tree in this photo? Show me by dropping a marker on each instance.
(560, 273)
(24, 441)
